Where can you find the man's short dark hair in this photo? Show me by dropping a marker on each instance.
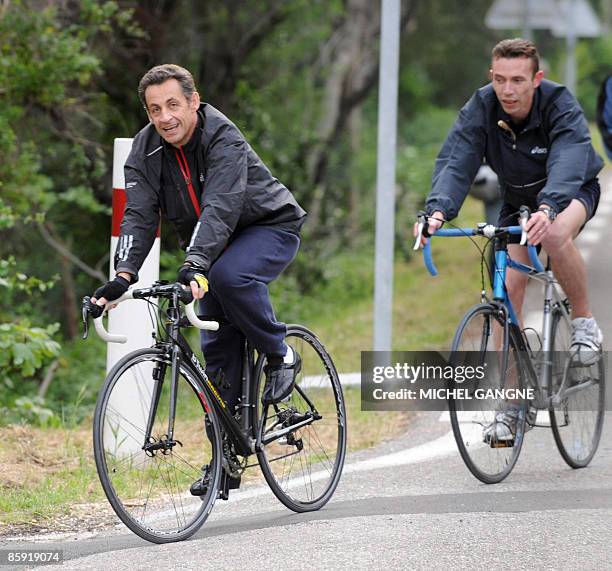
(515, 48)
(161, 73)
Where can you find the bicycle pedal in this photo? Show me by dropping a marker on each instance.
(502, 443)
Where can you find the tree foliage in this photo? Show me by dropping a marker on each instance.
(52, 162)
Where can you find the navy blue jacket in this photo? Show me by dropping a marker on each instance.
(547, 159)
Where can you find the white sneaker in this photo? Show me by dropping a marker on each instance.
(586, 340)
(503, 428)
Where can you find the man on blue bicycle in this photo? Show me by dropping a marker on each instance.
(533, 134)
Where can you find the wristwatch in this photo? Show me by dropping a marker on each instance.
(550, 213)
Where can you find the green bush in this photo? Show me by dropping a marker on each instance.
(25, 350)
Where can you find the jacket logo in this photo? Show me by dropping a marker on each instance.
(201, 177)
(539, 151)
(130, 185)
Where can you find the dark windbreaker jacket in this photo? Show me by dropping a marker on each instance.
(547, 160)
(238, 191)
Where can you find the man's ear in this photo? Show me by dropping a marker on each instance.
(538, 77)
(194, 102)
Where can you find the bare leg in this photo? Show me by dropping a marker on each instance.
(516, 282)
(567, 263)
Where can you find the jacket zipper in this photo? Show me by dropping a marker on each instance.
(182, 161)
(503, 125)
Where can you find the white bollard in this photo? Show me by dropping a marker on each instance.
(131, 318)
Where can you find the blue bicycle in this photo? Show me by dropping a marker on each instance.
(524, 373)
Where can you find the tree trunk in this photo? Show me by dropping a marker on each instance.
(352, 71)
(71, 315)
(354, 125)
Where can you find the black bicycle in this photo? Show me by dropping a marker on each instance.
(160, 425)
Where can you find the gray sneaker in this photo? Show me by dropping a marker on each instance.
(503, 428)
(586, 340)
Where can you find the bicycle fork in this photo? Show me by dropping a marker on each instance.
(167, 441)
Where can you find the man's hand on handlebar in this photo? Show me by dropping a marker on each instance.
(537, 227)
(110, 291)
(194, 277)
(433, 223)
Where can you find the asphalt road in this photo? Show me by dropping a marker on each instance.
(408, 504)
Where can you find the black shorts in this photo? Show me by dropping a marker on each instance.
(588, 195)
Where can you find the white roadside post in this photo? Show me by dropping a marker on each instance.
(131, 318)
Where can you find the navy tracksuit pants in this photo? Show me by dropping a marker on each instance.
(238, 289)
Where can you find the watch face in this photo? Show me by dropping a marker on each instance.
(549, 213)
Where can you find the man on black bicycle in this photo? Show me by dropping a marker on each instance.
(238, 224)
(534, 135)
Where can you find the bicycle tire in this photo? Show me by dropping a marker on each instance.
(316, 450)
(577, 421)
(489, 458)
(150, 493)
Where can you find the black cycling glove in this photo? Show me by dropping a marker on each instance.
(113, 289)
(189, 273)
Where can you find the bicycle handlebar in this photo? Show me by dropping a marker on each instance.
(488, 230)
(196, 321)
(134, 294)
(99, 324)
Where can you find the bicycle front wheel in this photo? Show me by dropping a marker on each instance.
(488, 426)
(302, 441)
(146, 475)
(577, 420)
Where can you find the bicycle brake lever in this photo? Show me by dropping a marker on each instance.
(417, 242)
(85, 315)
(421, 230)
(89, 309)
(524, 214)
(185, 295)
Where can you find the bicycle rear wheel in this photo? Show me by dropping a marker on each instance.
(488, 442)
(577, 421)
(303, 466)
(147, 483)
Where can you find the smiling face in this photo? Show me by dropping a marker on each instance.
(173, 115)
(515, 83)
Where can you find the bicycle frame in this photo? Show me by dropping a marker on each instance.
(243, 433)
(541, 372)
